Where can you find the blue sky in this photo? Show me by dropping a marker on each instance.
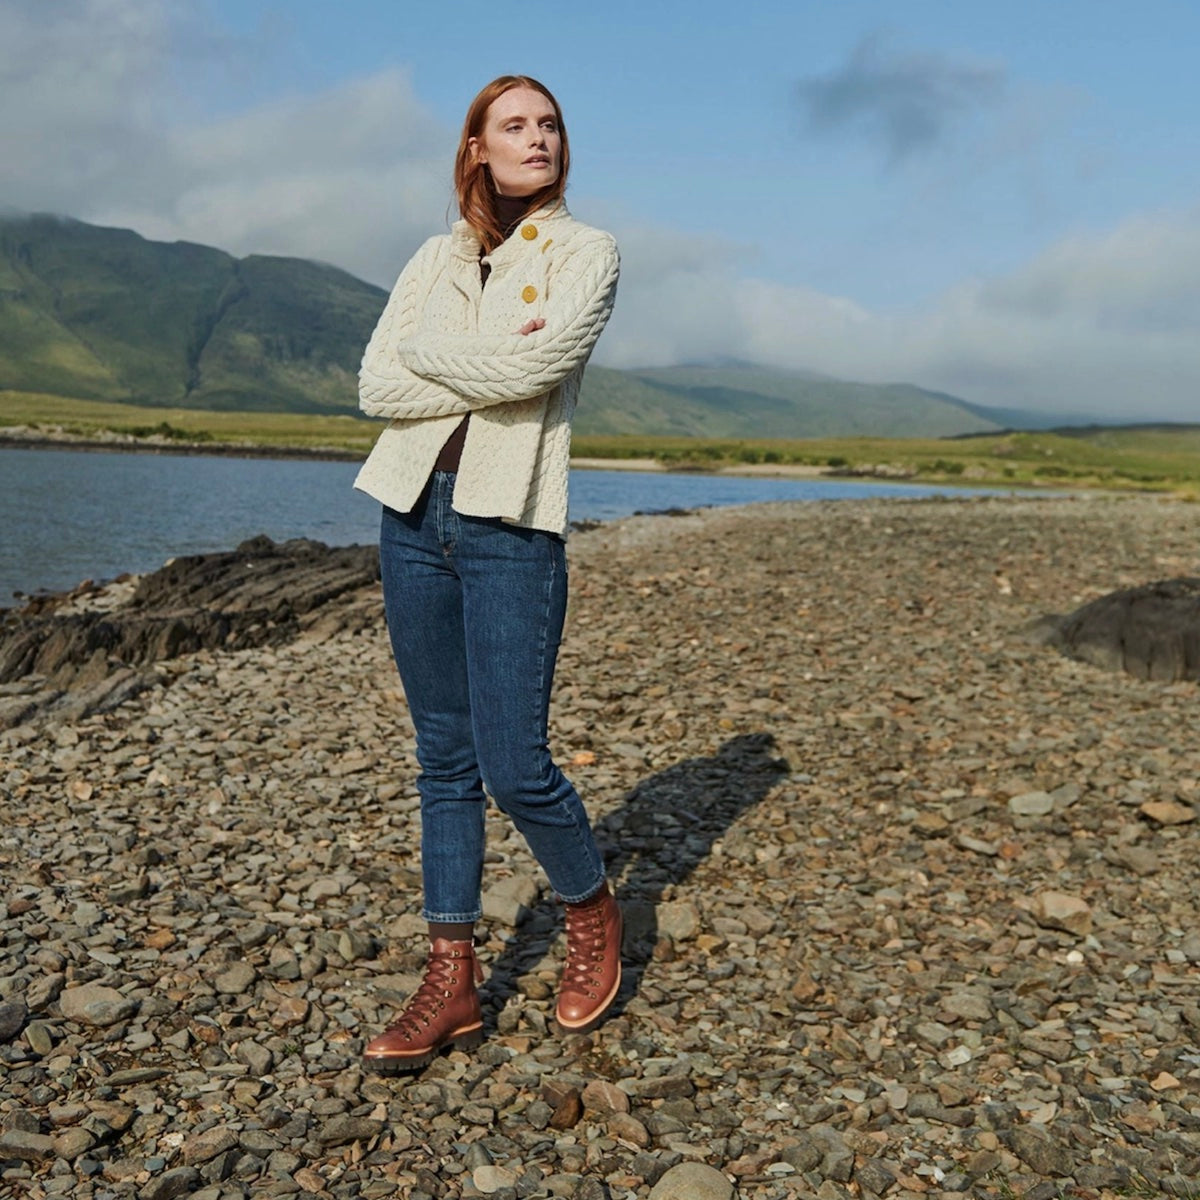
(999, 201)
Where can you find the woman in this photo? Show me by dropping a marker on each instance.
(477, 361)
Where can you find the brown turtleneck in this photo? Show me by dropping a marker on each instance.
(510, 210)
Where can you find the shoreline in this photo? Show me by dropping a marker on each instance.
(17, 438)
(10, 440)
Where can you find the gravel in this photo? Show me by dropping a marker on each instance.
(909, 895)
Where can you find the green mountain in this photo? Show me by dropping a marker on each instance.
(105, 314)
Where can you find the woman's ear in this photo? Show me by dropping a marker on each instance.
(477, 153)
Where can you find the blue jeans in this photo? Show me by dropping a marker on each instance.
(475, 612)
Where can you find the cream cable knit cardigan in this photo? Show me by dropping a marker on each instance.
(445, 345)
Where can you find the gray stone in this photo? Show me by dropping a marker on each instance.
(1041, 1153)
(13, 1015)
(209, 1144)
(29, 1147)
(660, 1087)
(71, 1143)
(254, 933)
(179, 1182)
(875, 1176)
(692, 1181)
(838, 1160)
(971, 1006)
(490, 1179)
(679, 920)
(94, 1004)
(258, 1058)
(1141, 860)
(344, 1129)
(137, 1075)
(236, 979)
(805, 1155)
(1031, 804)
(934, 1033)
(1057, 910)
(258, 1142)
(125, 891)
(592, 1188)
(476, 1156)
(23, 1119)
(44, 991)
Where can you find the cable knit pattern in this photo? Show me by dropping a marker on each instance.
(445, 346)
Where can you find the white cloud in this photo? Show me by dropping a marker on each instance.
(355, 175)
(1102, 325)
(673, 302)
(77, 86)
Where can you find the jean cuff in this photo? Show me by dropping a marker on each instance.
(592, 891)
(462, 918)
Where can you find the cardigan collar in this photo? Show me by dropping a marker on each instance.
(465, 243)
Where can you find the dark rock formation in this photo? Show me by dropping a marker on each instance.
(1152, 631)
(262, 593)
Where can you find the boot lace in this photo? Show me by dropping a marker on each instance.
(586, 945)
(442, 974)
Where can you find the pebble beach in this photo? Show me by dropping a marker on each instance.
(910, 897)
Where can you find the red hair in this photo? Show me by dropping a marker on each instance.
(473, 181)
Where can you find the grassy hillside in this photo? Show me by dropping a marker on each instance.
(1147, 458)
(736, 401)
(105, 314)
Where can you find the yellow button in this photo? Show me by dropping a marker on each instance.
(529, 294)
(529, 232)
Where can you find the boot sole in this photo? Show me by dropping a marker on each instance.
(395, 1064)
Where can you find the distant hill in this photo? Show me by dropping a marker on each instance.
(748, 401)
(105, 314)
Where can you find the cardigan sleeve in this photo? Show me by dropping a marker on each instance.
(385, 387)
(482, 370)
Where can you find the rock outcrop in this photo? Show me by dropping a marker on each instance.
(98, 647)
(1151, 632)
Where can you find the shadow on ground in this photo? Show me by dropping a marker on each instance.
(652, 842)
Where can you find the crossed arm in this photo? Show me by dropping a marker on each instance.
(410, 371)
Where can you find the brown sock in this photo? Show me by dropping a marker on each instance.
(459, 931)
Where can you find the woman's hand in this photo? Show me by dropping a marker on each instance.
(532, 325)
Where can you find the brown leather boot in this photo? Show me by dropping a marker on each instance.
(442, 1011)
(592, 973)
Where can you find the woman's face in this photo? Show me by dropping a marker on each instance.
(520, 142)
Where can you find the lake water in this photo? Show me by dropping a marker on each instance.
(74, 515)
